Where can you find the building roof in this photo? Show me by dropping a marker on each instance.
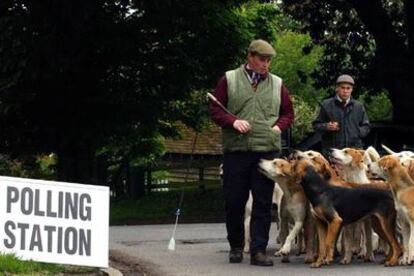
(208, 142)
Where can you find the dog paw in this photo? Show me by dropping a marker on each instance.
(404, 260)
(345, 261)
(316, 264)
(327, 261)
(369, 258)
(361, 256)
(391, 262)
(285, 259)
(246, 249)
(284, 251)
(309, 259)
(379, 251)
(411, 260)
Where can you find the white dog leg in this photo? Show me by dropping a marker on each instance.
(411, 244)
(247, 217)
(298, 213)
(369, 257)
(347, 244)
(405, 232)
(285, 250)
(277, 199)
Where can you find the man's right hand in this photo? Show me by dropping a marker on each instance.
(241, 126)
(332, 126)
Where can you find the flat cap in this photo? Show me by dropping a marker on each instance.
(261, 47)
(345, 79)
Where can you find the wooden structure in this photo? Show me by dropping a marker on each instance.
(194, 157)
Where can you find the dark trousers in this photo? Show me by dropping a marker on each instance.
(240, 175)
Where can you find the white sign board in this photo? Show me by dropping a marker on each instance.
(54, 222)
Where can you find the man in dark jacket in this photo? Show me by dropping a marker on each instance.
(342, 121)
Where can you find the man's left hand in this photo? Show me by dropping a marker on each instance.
(276, 128)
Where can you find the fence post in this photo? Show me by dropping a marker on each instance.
(201, 184)
(149, 179)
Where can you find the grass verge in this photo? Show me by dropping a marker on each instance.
(159, 207)
(12, 265)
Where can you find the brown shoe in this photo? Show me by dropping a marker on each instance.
(236, 255)
(260, 258)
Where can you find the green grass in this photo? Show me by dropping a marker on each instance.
(159, 207)
(12, 265)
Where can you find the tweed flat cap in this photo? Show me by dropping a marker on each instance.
(345, 79)
(261, 47)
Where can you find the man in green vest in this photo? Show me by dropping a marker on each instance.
(257, 109)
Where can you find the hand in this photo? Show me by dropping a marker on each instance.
(332, 126)
(242, 126)
(276, 128)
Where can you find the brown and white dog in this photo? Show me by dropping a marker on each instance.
(280, 171)
(308, 155)
(401, 154)
(408, 163)
(390, 168)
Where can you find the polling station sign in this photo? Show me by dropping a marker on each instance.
(55, 222)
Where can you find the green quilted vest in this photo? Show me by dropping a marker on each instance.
(260, 108)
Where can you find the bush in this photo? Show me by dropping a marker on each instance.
(305, 113)
(379, 107)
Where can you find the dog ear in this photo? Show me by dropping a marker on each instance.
(357, 159)
(316, 159)
(282, 170)
(367, 158)
(286, 169)
(298, 171)
(411, 166)
(326, 172)
(387, 163)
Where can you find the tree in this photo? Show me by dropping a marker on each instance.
(295, 67)
(79, 76)
(372, 40)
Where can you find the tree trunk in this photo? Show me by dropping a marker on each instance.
(75, 165)
(137, 182)
(100, 174)
(402, 98)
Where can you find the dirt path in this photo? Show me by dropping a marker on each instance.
(130, 266)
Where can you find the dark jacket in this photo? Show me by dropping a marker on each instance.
(353, 123)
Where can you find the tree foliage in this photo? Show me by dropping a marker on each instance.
(371, 40)
(79, 76)
(379, 107)
(295, 66)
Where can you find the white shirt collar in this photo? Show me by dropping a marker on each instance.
(340, 100)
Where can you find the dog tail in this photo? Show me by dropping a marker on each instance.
(387, 149)
(372, 154)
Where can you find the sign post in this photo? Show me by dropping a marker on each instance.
(54, 222)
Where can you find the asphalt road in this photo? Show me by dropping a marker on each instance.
(202, 249)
